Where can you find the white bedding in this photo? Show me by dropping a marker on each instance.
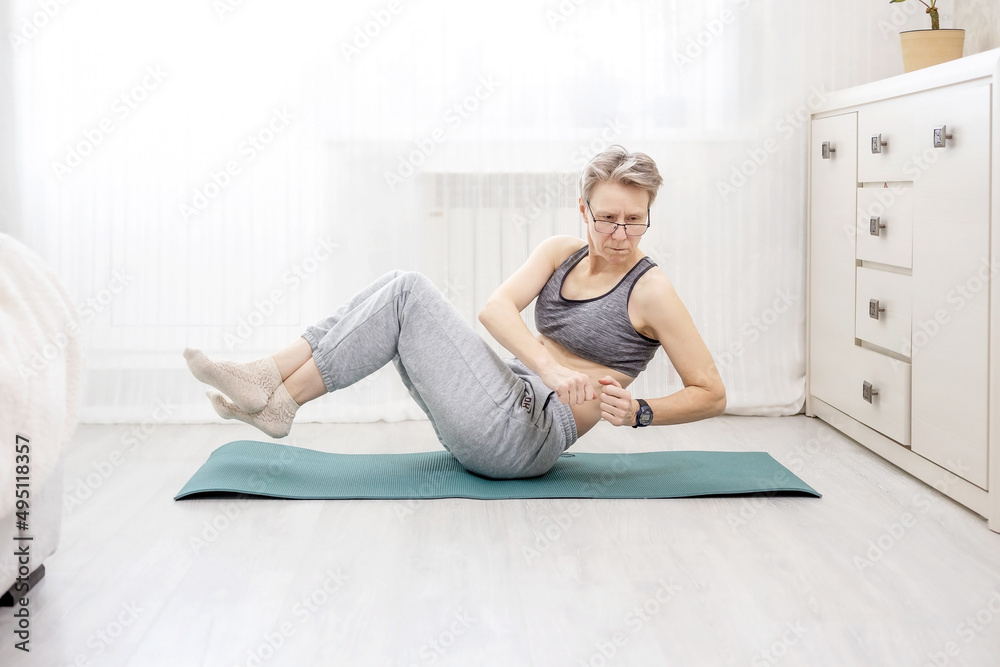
(40, 367)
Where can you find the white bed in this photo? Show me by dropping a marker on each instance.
(40, 370)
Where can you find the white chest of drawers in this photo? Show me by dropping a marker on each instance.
(903, 324)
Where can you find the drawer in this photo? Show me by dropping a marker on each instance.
(889, 409)
(887, 122)
(885, 223)
(891, 328)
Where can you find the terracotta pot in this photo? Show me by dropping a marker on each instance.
(924, 48)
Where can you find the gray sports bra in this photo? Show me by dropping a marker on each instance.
(597, 329)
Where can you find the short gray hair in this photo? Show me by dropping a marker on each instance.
(616, 165)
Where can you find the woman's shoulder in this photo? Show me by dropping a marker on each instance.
(565, 246)
(653, 284)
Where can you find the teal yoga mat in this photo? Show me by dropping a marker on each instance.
(281, 471)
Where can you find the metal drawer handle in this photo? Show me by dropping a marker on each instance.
(941, 136)
(828, 150)
(878, 142)
(874, 225)
(867, 391)
(874, 309)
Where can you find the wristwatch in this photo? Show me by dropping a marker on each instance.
(644, 417)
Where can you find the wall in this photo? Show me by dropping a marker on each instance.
(981, 21)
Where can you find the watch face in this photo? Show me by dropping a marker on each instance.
(645, 416)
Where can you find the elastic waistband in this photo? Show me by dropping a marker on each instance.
(564, 417)
(562, 413)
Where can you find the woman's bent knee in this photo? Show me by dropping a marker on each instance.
(395, 274)
(414, 278)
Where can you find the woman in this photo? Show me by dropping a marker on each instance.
(603, 310)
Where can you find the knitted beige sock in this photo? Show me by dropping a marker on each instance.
(275, 419)
(248, 384)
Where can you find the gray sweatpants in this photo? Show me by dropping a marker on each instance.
(495, 416)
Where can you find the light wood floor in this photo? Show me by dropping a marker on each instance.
(882, 570)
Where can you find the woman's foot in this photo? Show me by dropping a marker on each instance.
(248, 384)
(275, 418)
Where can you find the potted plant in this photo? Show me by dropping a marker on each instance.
(923, 48)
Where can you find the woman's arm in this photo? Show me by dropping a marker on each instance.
(502, 318)
(704, 394)
(692, 403)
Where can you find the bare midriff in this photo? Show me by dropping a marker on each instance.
(589, 413)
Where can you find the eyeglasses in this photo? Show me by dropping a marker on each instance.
(605, 226)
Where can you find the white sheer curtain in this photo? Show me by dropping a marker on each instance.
(10, 218)
(221, 174)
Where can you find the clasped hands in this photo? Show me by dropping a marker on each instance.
(574, 388)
